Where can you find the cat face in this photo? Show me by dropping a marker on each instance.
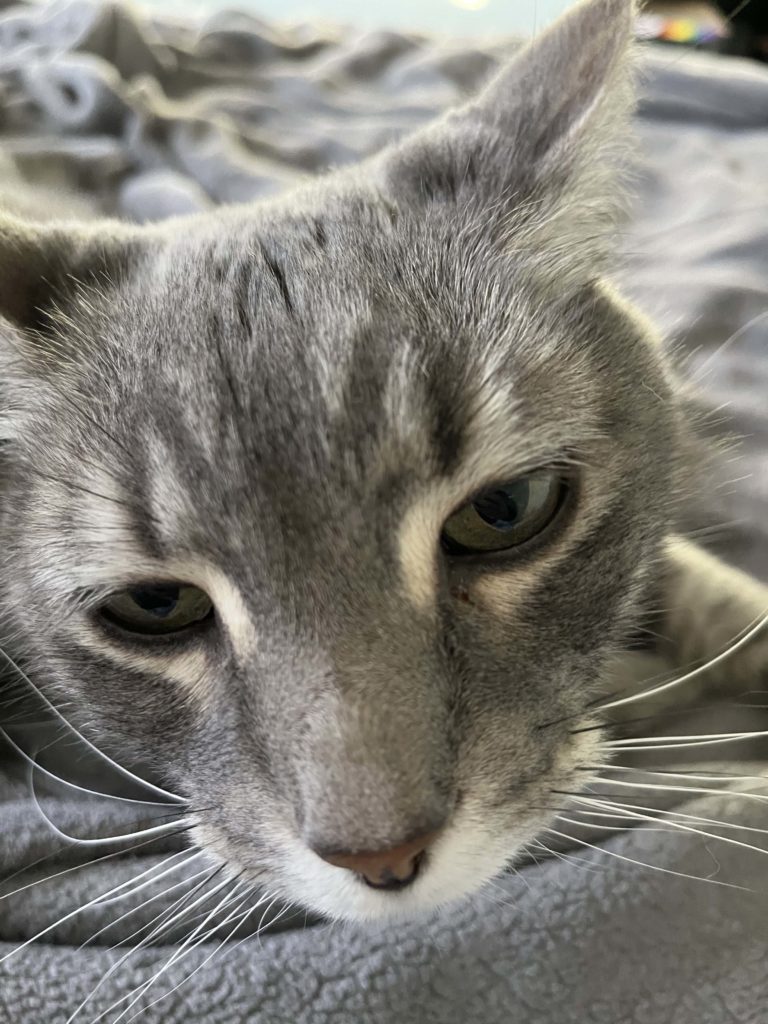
(333, 510)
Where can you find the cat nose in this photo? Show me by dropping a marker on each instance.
(390, 869)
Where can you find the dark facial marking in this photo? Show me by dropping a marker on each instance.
(279, 275)
(318, 233)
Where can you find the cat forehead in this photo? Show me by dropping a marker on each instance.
(357, 293)
(309, 268)
(268, 334)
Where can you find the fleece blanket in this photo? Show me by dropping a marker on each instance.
(143, 117)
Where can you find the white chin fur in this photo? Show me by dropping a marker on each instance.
(459, 863)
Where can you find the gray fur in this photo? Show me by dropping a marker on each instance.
(270, 388)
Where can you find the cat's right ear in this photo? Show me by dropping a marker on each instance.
(42, 264)
(534, 157)
(46, 270)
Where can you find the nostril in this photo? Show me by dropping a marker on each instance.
(390, 869)
(390, 882)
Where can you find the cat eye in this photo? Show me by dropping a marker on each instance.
(505, 516)
(157, 608)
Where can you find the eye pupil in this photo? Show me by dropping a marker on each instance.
(159, 600)
(502, 507)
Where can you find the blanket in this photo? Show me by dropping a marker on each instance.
(143, 117)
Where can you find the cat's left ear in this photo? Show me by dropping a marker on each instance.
(535, 155)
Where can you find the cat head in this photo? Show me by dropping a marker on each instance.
(333, 509)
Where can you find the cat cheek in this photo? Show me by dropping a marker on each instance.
(189, 672)
(498, 594)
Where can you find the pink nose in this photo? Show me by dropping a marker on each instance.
(386, 869)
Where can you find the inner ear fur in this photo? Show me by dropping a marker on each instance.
(41, 263)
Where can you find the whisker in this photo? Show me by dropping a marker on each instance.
(230, 947)
(260, 925)
(72, 785)
(692, 738)
(596, 704)
(168, 917)
(656, 743)
(679, 773)
(154, 830)
(663, 714)
(661, 827)
(714, 530)
(66, 917)
(124, 772)
(593, 801)
(612, 828)
(269, 924)
(140, 906)
(759, 797)
(282, 913)
(78, 867)
(155, 931)
(518, 874)
(569, 858)
(182, 950)
(701, 370)
(497, 900)
(240, 919)
(189, 856)
(188, 920)
(752, 631)
(644, 864)
(626, 810)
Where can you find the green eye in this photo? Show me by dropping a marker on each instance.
(157, 608)
(505, 516)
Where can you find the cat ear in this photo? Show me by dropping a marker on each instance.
(539, 148)
(45, 272)
(41, 264)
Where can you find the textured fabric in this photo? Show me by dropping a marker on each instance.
(587, 939)
(146, 119)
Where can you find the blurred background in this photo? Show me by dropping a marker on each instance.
(453, 16)
(732, 26)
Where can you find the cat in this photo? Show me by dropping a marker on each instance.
(340, 511)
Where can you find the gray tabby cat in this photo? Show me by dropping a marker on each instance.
(339, 511)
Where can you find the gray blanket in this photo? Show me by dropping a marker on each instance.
(147, 118)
